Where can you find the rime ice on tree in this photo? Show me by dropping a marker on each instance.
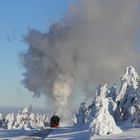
(108, 95)
(24, 120)
(1, 120)
(80, 118)
(128, 106)
(130, 79)
(112, 92)
(10, 119)
(103, 123)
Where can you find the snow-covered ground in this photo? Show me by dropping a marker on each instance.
(67, 133)
(84, 134)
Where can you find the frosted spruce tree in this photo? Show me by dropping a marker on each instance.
(128, 98)
(24, 119)
(28, 120)
(2, 121)
(112, 92)
(110, 95)
(10, 120)
(80, 117)
(103, 123)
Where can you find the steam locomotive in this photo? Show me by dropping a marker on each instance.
(54, 121)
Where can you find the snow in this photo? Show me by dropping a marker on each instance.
(112, 115)
(130, 78)
(103, 123)
(24, 120)
(10, 120)
(128, 98)
(69, 133)
(80, 118)
(112, 92)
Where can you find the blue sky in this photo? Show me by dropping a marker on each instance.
(16, 17)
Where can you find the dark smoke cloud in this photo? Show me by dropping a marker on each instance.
(94, 43)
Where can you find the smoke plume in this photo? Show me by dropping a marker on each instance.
(94, 42)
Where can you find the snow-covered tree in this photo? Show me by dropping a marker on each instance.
(112, 92)
(128, 96)
(92, 108)
(80, 117)
(2, 121)
(10, 120)
(28, 120)
(91, 111)
(109, 95)
(24, 119)
(19, 122)
(129, 79)
(40, 119)
(33, 120)
(103, 123)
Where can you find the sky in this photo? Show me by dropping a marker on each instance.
(16, 18)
